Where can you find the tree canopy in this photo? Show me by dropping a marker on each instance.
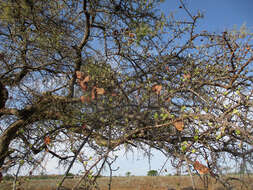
(101, 75)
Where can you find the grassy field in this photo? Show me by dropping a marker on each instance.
(126, 183)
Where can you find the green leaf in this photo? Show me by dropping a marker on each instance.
(237, 131)
(21, 162)
(218, 137)
(235, 111)
(156, 115)
(183, 108)
(85, 163)
(164, 116)
(183, 148)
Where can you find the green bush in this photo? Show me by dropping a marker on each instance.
(128, 174)
(8, 177)
(70, 174)
(152, 173)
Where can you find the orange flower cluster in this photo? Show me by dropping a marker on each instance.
(179, 125)
(83, 82)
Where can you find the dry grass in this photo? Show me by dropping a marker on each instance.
(162, 183)
(127, 183)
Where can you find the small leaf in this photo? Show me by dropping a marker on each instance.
(183, 148)
(238, 132)
(21, 162)
(156, 116)
(164, 116)
(218, 137)
(235, 111)
(183, 108)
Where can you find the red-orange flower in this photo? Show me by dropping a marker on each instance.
(179, 125)
(157, 88)
(200, 167)
(47, 140)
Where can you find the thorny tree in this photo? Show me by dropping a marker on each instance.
(119, 72)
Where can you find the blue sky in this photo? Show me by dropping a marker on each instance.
(219, 15)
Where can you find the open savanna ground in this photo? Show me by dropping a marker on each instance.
(128, 183)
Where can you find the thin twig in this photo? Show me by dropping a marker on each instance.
(72, 162)
(16, 178)
(187, 11)
(189, 171)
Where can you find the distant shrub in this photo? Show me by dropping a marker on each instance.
(8, 177)
(128, 174)
(152, 173)
(43, 177)
(70, 174)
